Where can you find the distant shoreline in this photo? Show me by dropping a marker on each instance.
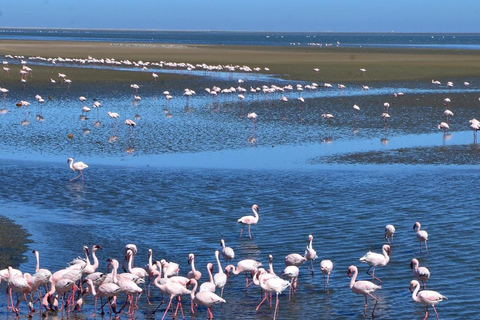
(335, 64)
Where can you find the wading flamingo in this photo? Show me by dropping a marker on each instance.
(389, 231)
(204, 298)
(376, 259)
(421, 273)
(310, 253)
(363, 287)
(219, 278)
(77, 166)
(249, 220)
(227, 252)
(326, 266)
(422, 235)
(247, 266)
(426, 297)
(194, 273)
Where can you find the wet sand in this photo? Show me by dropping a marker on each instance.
(336, 64)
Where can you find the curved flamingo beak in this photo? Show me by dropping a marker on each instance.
(349, 273)
(410, 288)
(411, 265)
(414, 226)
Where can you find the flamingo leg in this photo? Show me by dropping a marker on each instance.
(241, 231)
(168, 307)
(365, 307)
(436, 313)
(426, 313)
(373, 274)
(261, 302)
(426, 247)
(249, 233)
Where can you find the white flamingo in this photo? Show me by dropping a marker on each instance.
(363, 287)
(426, 297)
(376, 259)
(77, 166)
(421, 273)
(422, 235)
(249, 220)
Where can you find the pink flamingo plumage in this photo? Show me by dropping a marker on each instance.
(363, 287)
(249, 220)
(376, 259)
(426, 297)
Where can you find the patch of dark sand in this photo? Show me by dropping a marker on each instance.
(440, 155)
(13, 243)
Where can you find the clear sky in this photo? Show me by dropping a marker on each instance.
(247, 15)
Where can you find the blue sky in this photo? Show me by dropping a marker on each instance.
(247, 15)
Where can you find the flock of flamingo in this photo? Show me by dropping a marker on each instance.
(75, 283)
(67, 290)
(273, 91)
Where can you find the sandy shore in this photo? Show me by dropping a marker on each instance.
(13, 240)
(296, 63)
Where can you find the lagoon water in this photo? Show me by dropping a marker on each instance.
(181, 178)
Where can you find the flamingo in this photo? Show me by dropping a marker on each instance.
(363, 287)
(127, 286)
(41, 277)
(421, 273)
(271, 285)
(227, 252)
(91, 268)
(389, 231)
(310, 253)
(292, 272)
(246, 266)
(294, 259)
(448, 114)
(475, 126)
(249, 220)
(105, 290)
(210, 285)
(204, 298)
(18, 283)
(426, 297)
(219, 278)
(376, 259)
(326, 267)
(357, 109)
(422, 235)
(173, 289)
(194, 273)
(77, 166)
(443, 126)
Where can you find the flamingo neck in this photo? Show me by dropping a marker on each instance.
(232, 269)
(354, 278)
(220, 270)
(255, 213)
(92, 287)
(415, 292)
(194, 290)
(150, 259)
(193, 265)
(37, 256)
(95, 260)
(114, 272)
(210, 273)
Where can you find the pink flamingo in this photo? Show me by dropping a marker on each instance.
(326, 266)
(422, 235)
(41, 277)
(363, 287)
(173, 289)
(129, 287)
(105, 290)
(204, 298)
(421, 273)
(310, 253)
(271, 284)
(219, 278)
(249, 220)
(18, 283)
(294, 259)
(91, 268)
(194, 273)
(376, 259)
(246, 266)
(292, 273)
(389, 231)
(77, 166)
(227, 252)
(210, 285)
(426, 297)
